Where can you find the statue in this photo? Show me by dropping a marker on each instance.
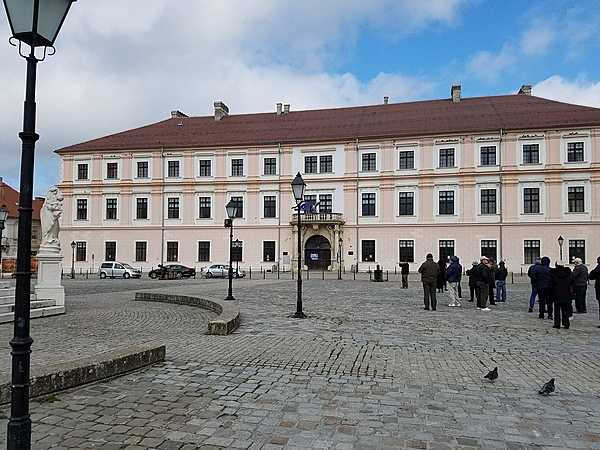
(49, 215)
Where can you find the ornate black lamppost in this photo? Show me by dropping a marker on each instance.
(298, 186)
(34, 23)
(3, 217)
(232, 211)
(73, 245)
(340, 241)
(561, 241)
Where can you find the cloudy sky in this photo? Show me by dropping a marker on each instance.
(121, 64)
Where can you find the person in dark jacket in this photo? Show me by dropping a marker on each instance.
(472, 280)
(493, 268)
(580, 279)
(562, 292)
(482, 283)
(441, 279)
(595, 275)
(542, 281)
(429, 271)
(453, 275)
(404, 270)
(534, 292)
(501, 275)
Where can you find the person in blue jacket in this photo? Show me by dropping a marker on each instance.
(453, 276)
(541, 279)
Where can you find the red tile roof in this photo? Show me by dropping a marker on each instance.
(394, 120)
(9, 197)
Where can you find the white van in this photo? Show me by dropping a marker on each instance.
(118, 270)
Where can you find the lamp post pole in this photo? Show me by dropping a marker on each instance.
(230, 271)
(73, 245)
(561, 240)
(298, 187)
(340, 259)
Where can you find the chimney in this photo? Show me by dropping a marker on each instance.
(286, 109)
(177, 114)
(525, 89)
(279, 108)
(221, 110)
(455, 93)
(386, 99)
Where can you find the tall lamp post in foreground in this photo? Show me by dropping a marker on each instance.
(340, 242)
(73, 245)
(232, 210)
(3, 217)
(561, 241)
(34, 23)
(298, 186)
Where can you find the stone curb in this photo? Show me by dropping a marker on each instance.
(227, 321)
(65, 375)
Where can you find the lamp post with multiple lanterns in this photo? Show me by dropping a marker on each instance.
(73, 245)
(232, 212)
(33, 23)
(3, 217)
(561, 241)
(298, 186)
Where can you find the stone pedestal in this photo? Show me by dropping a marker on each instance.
(48, 285)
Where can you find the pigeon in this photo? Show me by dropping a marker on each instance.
(547, 388)
(492, 374)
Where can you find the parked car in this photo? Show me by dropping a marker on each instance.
(118, 270)
(220, 271)
(177, 271)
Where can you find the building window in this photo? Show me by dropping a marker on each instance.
(368, 204)
(237, 253)
(111, 209)
(576, 199)
(270, 166)
(369, 162)
(406, 203)
(488, 201)
(576, 249)
(112, 171)
(173, 169)
(269, 203)
(141, 251)
(326, 164)
(488, 156)
(406, 251)
(310, 164)
(172, 251)
(141, 208)
(325, 205)
(203, 251)
(81, 209)
(489, 248)
(205, 167)
(81, 251)
(446, 249)
(173, 208)
(446, 158)
(310, 200)
(531, 153)
(531, 200)
(204, 205)
(237, 167)
(446, 202)
(368, 250)
(82, 171)
(110, 251)
(142, 169)
(406, 159)
(575, 152)
(239, 203)
(531, 251)
(269, 251)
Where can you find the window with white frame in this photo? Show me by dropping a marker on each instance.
(576, 199)
(310, 164)
(446, 202)
(575, 152)
(238, 201)
(82, 209)
(269, 251)
(237, 167)
(270, 206)
(325, 203)
(270, 166)
(141, 251)
(488, 201)
(326, 164)
(368, 250)
(142, 169)
(112, 171)
(141, 208)
(172, 251)
(82, 171)
(173, 208)
(531, 250)
(406, 159)
(110, 251)
(205, 168)
(80, 251)
(489, 248)
(173, 169)
(487, 155)
(204, 207)
(446, 158)
(368, 204)
(111, 209)
(531, 153)
(406, 203)
(576, 249)
(369, 162)
(203, 251)
(446, 248)
(531, 200)
(406, 251)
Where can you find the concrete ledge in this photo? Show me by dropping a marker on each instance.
(57, 377)
(226, 322)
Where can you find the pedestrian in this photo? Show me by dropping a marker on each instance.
(542, 280)
(429, 275)
(580, 279)
(472, 280)
(493, 268)
(534, 292)
(453, 274)
(441, 278)
(404, 270)
(501, 275)
(595, 275)
(562, 292)
(482, 283)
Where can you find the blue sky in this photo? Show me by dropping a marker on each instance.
(120, 65)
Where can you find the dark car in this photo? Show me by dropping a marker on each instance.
(173, 271)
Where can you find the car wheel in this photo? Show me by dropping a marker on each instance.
(126, 275)
(179, 275)
(102, 275)
(209, 275)
(152, 275)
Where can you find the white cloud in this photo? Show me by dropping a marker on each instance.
(578, 91)
(489, 66)
(123, 64)
(539, 38)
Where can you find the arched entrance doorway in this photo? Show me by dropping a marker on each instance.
(317, 253)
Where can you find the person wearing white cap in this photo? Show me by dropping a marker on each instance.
(580, 277)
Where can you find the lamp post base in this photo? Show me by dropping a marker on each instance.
(298, 315)
(230, 297)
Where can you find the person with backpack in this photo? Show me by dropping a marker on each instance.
(453, 275)
(534, 292)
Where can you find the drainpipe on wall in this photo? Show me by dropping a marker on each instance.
(162, 207)
(500, 203)
(357, 206)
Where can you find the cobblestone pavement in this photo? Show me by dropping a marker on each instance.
(368, 369)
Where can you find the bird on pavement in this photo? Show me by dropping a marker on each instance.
(492, 374)
(547, 388)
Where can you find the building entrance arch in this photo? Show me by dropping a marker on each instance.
(317, 253)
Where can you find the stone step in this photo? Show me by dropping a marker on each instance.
(35, 313)
(9, 308)
(9, 298)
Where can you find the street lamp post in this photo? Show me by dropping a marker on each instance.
(561, 241)
(3, 217)
(340, 258)
(298, 186)
(73, 245)
(232, 210)
(33, 23)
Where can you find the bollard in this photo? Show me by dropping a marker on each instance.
(292, 272)
(323, 274)
(387, 275)
(87, 273)
(250, 272)
(264, 274)
(278, 273)
(521, 271)
(394, 270)
(512, 278)
(370, 275)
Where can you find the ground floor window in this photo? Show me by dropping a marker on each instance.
(446, 248)
(237, 251)
(576, 249)
(531, 250)
(203, 251)
(406, 251)
(172, 251)
(269, 251)
(81, 251)
(489, 248)
(368, 250)
(110, 251)
(141, 251)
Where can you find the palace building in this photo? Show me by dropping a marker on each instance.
(501, 176)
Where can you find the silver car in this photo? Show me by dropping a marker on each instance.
(220, 271)
(118, 270)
